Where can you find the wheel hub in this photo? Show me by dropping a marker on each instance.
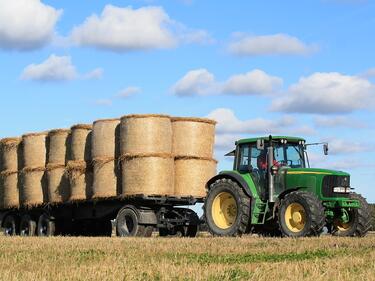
(224, 210)
(295, 217)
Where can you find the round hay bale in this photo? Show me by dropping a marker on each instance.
(57, 183)
(34, 150)
(80, 180)
(58, 141)
(32, 189)
(105, 138)
(192, 174)
(148, 174)
(105, 178)
(145, 134)
(193, 137)
(81, 142)
(9, 154)
(9, 194)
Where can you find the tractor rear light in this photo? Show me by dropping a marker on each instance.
(341, 189)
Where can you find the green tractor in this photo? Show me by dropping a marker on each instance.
(272, 191)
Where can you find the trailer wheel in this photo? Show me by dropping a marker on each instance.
(127, 223)
(27, 226)
(46, 227)
(359, 220)
(11, 225)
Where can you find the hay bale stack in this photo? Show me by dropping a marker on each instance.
(105, 151)
(146, 134)
(9, 154)
(192, 174)
(193, 137)
(57, 183)
(58, 141)
(34, 150)
(105, 183)
(149, 174)
(80, 180)
(33, 191)
(81, 142)
(9, 194)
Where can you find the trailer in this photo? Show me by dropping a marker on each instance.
(136, 215)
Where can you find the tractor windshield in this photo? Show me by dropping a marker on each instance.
(291, 155)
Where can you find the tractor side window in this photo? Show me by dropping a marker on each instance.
(295, 158)
(243, 164)
(279, 155)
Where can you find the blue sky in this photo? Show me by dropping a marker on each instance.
(283, 67)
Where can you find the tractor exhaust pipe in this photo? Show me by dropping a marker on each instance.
(271, 180)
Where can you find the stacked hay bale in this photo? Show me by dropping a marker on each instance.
(9, 162)
(33, 188)
(79, 167)
(146, 155)
(57, 180)
(105, 152)
(193, 145)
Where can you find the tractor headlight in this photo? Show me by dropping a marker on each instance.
(341, 189)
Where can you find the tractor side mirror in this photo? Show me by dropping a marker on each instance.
(325, 149)
(260, 144)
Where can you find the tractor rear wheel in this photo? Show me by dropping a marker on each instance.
(301, 214)
(359, 220)
(227, 209)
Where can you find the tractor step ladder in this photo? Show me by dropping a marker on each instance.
(260, 210)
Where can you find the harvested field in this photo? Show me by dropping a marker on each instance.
(247, 258)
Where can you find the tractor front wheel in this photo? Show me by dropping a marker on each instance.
(359, 222)
(301, 214)
(227, 209)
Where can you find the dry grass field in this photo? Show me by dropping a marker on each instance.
(247, 258)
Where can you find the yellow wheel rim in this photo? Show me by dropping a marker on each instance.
(338, 224)
(224, 210)
(295, 217)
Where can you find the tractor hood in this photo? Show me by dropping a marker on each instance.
(315, 171)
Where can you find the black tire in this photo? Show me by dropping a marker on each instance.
(127, 224)
(45, 227)
(10, 225)
(313, 210)
(241, 222)
(269, 229)
(360, 219)
(27, 226)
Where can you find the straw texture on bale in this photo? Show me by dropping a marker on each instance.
(58, 141)
(57, 183)
(9, 194)
(193, 137)
(105, 138)
(148, 174)
(9, 154)
(192, 174)
(34, 150)
(80, 180)
(32, 190)
(81, 142)
(146, 134)
(105, 182)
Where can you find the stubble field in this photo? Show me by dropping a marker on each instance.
(247, 258)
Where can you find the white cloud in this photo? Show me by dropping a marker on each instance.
(56, 68)
(203, 82)
(104, 102)
(339, 146)
(337, 121)
(276, 44)
(26, 24)
(369, 73)
(129, 91)
(228, 123)
(327, 93)
(124, 29)
(226, 141)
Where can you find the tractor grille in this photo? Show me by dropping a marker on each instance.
(329, 182)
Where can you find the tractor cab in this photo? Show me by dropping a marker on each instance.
(272, 190)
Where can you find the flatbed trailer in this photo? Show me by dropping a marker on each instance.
(136, 215)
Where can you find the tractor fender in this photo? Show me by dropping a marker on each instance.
(233, 176)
